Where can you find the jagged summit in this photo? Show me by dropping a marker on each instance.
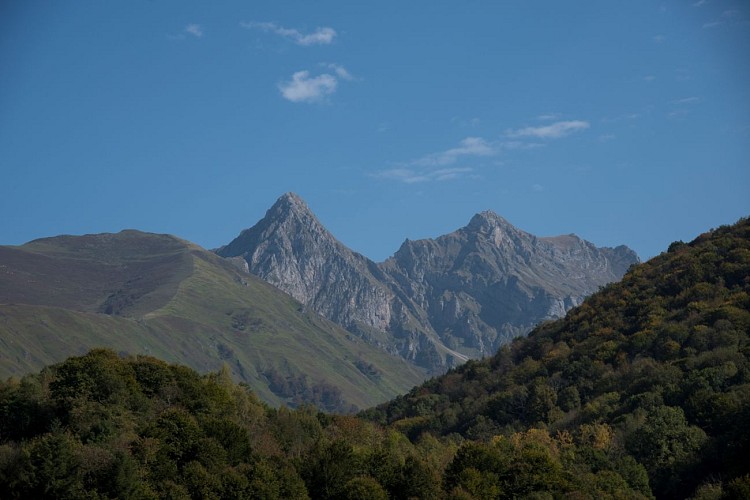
(291, 206)
(290, 202)
(435, 301)
(288, 222)
(488, 219)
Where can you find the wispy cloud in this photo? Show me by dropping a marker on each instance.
(649, 78)
(699, 3)
(194, 29)
(553, 131)
(659, 38)
(537, 188)
(321, 36)
(413, 176)
(731, 16)
(643, 112)
(439, 166)
(683, 106)
(678, 113)
(548, 117)
(450, 164)
(305, 88)
(471, 146)
(340, 71)
(687, 100)
(518, 145)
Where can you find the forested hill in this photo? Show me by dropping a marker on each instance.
(656, 367)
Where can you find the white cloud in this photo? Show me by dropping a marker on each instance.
(411, 176)
(519, 145)
(548, 117)
(659, 38)
(305, 88)
(321, 36)
(537, 188)
(699, 3)
(438, 166)
(606, 137)
(728, 16)
(194, 29)
(553, 131)
(340, 71)
(471, 146)
(649, 78)
(446, 174)
(441, 166)
(687, 100)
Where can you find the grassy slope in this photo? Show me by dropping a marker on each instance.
(182, 304)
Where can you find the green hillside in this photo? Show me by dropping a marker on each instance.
(655, 368)
(142, 293)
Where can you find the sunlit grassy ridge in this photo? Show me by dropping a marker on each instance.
(158, 295)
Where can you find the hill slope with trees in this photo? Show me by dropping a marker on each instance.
(655, 367)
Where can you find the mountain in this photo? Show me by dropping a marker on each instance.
(641, 392)
(489, 281)
(292, 250)
(435, 302)
(157, 294)
(656, 366)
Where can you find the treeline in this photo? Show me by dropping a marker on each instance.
(653, 370)
(102, 426)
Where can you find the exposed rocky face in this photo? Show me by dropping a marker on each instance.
(292, 250)
(436, 301)
(489, 281)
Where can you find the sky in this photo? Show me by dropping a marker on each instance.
(621, 122)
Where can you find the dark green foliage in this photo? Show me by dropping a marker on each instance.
(102, 426)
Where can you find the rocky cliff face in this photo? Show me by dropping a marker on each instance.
(489, 281)
(292, 250)
(436, 301)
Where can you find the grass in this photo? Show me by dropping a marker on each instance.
(180, 303)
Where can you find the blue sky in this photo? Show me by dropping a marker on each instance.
(622, 122)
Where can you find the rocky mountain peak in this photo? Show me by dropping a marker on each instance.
(487, 220)
(291, 206)
(436, 301)
(291, 202)
(489, 228)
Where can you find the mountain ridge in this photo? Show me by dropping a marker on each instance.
(153, 294)
(418, 302)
